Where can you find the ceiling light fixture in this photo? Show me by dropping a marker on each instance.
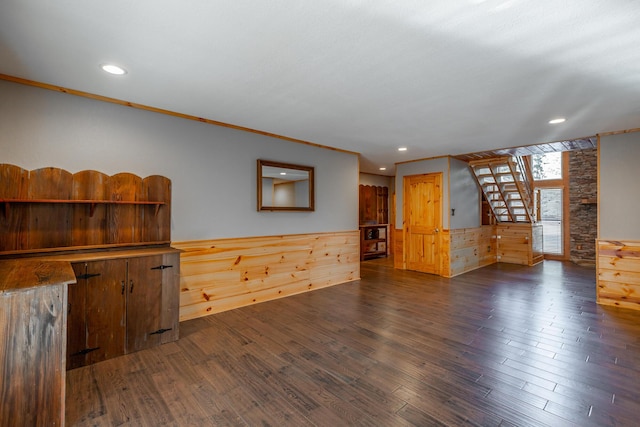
(383, 169)
(558, 120)
(283, 173)
(402, 149)
(113, 69)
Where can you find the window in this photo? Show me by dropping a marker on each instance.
(546, 166)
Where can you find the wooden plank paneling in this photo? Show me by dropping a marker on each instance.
(157, 221)
(516, 243)
(471, 248)
(618, 273)
(33, 309)
(49, 228)
(398, 248)
(89, 221)
(49, 209)
(125, 221)
(219, 275)
(14, 219)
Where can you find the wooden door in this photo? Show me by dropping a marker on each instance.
(144, 300)
(105, 309)
(422, 222)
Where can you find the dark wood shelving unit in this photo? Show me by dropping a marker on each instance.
(374, 241)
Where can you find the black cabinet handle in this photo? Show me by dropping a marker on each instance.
(131, 288)
(160, 331)
(161, 267)
(122, 291)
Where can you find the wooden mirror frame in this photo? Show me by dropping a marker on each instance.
(310, 171)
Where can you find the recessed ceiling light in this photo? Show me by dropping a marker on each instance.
(558, 120)
(113, 69)
(283, 173)
(383, 169)
(402, 149)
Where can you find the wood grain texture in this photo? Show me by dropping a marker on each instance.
(157, 222)
(398, 248)
(519, 243)
(33, 302)
(89, 222)
(618, 267)
(50, 209)
(219, 275)
(14, 219)
(504, 345)
(50, 228)
(471, 248)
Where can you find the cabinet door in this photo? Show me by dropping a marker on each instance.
(76, 321)
(144, 299)
(105, 309)
(95, 319)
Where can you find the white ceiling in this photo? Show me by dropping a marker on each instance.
(439, 77)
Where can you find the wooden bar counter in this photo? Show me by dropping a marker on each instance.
(33, 311)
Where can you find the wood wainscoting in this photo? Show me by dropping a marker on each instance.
(469, 248)
(465, 249)
(618, 273)
(520, 243)
(223, 274)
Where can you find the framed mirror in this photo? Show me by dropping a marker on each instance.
(284, 187)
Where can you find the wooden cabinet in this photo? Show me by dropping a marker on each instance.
(373, 241)
(33, 297)
(373, 204)
(121, 305)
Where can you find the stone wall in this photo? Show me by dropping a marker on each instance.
(583, 211)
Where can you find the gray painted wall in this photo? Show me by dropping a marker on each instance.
(619, 187)
(376, 180)
(459, 191)
(465, 196)
(213, 169)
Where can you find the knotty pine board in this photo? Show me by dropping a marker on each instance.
(618, 273)
(516, 243)
(220, 275)
(471, 248)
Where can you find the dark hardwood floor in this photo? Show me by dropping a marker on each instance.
(505, 345)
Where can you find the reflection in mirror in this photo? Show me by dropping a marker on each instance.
(284, 187)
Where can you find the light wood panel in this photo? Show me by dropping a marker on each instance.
(471, 248)
(398, 248)
(519, 243)
(219, 275)
(618, 268)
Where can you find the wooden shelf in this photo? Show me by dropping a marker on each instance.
(92, 203)
(377, 244)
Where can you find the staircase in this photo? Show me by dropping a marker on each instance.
(506, 184)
